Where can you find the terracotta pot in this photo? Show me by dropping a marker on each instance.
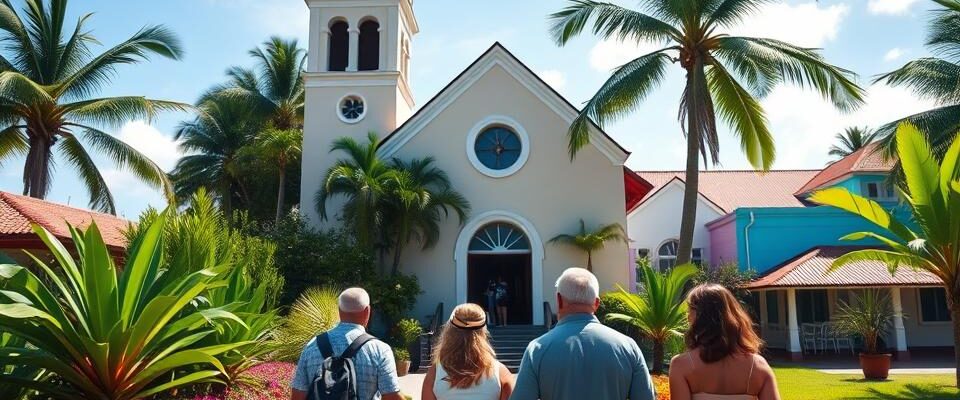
(875, 366)
(403, 366)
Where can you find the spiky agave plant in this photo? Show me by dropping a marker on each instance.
(110, 333)
(868, 315)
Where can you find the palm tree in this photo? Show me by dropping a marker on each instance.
(725, 75)
(274, 87)
(48, 86)
(591, 241)
(936, 78)
(281, 147)
(659, 310)
(420, 197)
(214, 143)
(364, 179)
(851, 140)
(933, 197)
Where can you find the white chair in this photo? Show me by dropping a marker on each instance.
(809, 335)
(840, 340)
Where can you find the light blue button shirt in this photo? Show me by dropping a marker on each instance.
(581, 358)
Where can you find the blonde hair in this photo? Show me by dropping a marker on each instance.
(464, 350)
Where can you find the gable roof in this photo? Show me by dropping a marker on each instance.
(809, 269)
(866, 160)
(729, 190)
(17, 213)
(498, 55)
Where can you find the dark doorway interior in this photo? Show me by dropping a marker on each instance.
(515, 270)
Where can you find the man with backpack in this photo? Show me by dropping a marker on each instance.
(345, 363)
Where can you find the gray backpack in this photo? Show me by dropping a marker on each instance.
(337, 377)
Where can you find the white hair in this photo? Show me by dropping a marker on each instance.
(578, 286)
(353, 300)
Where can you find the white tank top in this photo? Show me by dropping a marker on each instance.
(488, 388)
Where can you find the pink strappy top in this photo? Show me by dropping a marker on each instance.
(711, 396)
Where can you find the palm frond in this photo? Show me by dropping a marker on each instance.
(116, 111)
(129, 158)
(928, 78)
(100, 197)
(609, 21)
(618, 96)
(13, 142)
(744, 114)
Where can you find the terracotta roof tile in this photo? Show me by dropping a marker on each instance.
(809, 269)
(867, 159)
(730, 190)
(18, 212)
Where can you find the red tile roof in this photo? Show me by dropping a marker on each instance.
(18, 212)
(730, 190)
(809, 269)
(866, 160)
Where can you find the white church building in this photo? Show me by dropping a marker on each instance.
(523, 190)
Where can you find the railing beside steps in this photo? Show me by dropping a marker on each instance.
(549, 318)
(429, 338)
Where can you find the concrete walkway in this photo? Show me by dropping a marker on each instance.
(411, 384)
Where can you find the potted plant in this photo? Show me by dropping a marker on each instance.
(870, 316)
(403, 360)
(408, 333)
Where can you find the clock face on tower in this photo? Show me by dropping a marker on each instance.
(351, 109)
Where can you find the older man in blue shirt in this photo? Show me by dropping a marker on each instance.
(580, 358)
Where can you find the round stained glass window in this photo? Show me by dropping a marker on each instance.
(498, 148)
(351, 109)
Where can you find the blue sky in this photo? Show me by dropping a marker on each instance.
(866, 36)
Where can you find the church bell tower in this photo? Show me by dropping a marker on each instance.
(357, 81)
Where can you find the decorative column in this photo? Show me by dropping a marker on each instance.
(322, 62)
(354, 54)
(317, 45)
(900, 334)
(796, 353)
(762, 312)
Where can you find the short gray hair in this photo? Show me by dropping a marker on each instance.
(578, 286)
(353, 300)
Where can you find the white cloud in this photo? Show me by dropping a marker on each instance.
(893, 54)
(889, 7)
(807, 24)
(159, 147)
(609, 54)
(804, 125)
(556, 79)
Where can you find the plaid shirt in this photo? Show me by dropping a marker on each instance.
(376, 371)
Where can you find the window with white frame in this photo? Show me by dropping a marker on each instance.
(667, 255)
(933, 305)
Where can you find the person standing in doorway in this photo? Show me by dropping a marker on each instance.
(491, 296)
(503, 301)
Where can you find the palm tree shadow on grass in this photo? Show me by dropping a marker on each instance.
(909, 391)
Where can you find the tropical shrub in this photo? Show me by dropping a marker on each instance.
(932, 194)
(408, 331)
(591, 241)
(401, 354)
(868, 315)
(109, 333)
(308, 258)
(314, 312)
(658, 311)
(201, 232)
(13, 390)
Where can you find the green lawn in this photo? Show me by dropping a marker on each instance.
(803, 383)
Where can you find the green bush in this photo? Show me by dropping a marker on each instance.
(308, 258)
(401, 354)
(729, 276)
(314, 312)
(108, 332)
(201, 233)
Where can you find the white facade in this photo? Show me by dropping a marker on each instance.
(540, 195)
(655, 221)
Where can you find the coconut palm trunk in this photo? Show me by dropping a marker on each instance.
(281, 190)
(36, 170)
(953, 302)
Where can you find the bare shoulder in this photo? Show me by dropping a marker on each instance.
(761, 366)
(681, 362)
(504, 372)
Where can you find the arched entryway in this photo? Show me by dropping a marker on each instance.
(499, 244)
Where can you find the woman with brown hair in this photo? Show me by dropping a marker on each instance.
(464, 365)
(722, 360)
